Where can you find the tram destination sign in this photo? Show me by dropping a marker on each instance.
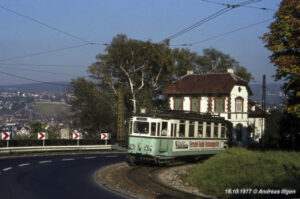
(195, 145)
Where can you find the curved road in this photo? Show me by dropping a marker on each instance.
(54, 176)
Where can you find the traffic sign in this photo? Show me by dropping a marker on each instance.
(42, 135)
(105, 136)
(76, 135)
(5, 135)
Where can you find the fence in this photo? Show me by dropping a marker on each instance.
(9, 150)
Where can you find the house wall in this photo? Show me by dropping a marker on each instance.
(258, 126)
(230, 113)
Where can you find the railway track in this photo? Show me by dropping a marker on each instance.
(143, 176)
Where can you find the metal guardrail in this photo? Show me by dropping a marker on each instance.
(8, 150)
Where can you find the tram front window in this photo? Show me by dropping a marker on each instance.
(141, 127)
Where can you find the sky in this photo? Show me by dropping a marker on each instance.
(50, 40)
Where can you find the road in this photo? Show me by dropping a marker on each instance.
(54, 176)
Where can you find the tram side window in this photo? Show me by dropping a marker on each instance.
(208, 134)
(223, 131)
(153, 129)
(164, 127)
(181, 129)
(200, 130)
(141, 127)
(130, 127)
(192, 129)
(158, 129)
(215, 130)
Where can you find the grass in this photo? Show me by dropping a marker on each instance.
(241, 168)
(49, 108)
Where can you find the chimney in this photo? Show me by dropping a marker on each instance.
(230, 70)
(190, 72)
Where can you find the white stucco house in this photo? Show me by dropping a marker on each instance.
(223, 94)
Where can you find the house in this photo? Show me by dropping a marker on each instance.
(223, 94)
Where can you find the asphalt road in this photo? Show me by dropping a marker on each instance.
(54, 176)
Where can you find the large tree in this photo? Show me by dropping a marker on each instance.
(94, 111)
(140, 68)
(284, 42)
(215, 61)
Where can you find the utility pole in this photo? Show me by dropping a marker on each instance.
(120, 133)
(263, 104)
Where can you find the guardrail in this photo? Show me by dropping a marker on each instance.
(8, 150)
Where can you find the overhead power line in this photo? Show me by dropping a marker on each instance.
(46, 65)
(44, 52)
(209, 18)
(39, 71)
(48, 26)
(228, 5)
(223, 34)
(33, 80)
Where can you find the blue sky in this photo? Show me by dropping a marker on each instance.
(99, 21)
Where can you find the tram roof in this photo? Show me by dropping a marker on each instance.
(182, 115)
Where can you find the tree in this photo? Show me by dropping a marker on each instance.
(141, 68)
(94, 111)
(283, 41)
(215, 61)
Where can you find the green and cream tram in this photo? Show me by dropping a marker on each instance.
(165, 136)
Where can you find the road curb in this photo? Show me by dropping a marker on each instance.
(110, 188)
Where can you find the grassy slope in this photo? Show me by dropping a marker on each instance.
(49, 108)
(240, 168)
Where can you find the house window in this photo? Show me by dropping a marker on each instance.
(178, 104)
(195, 104)
(219, 105)
(239, 104)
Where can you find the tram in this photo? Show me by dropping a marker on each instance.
(163, 136)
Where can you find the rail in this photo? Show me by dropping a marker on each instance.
(8, 150)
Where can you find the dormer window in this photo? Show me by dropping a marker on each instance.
(219, 105)
(178, 104)
(239, 101)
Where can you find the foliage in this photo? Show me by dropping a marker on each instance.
(284, 42)
(215, 61)
(37, 126)
(140, 68)
(240, 168)
(95, 111)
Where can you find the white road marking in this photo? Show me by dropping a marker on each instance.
(6, 169)
(89, 157)
(45, 161)
(67, 159)
(23, 165)
(111, 156)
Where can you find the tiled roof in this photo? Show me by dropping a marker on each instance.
(215, 83)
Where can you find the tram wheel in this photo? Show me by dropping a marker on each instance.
(131, 160)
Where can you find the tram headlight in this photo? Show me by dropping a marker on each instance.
(146, 148)
(131, 146)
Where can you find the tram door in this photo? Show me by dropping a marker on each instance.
(163, 146)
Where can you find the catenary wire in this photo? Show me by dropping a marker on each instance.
(223, 34)
(46, 65)
(33, 80)
(46, 25)
(44, 52)
(226, 4)
(216, 14)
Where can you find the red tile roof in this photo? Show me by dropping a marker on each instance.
(215, 83)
